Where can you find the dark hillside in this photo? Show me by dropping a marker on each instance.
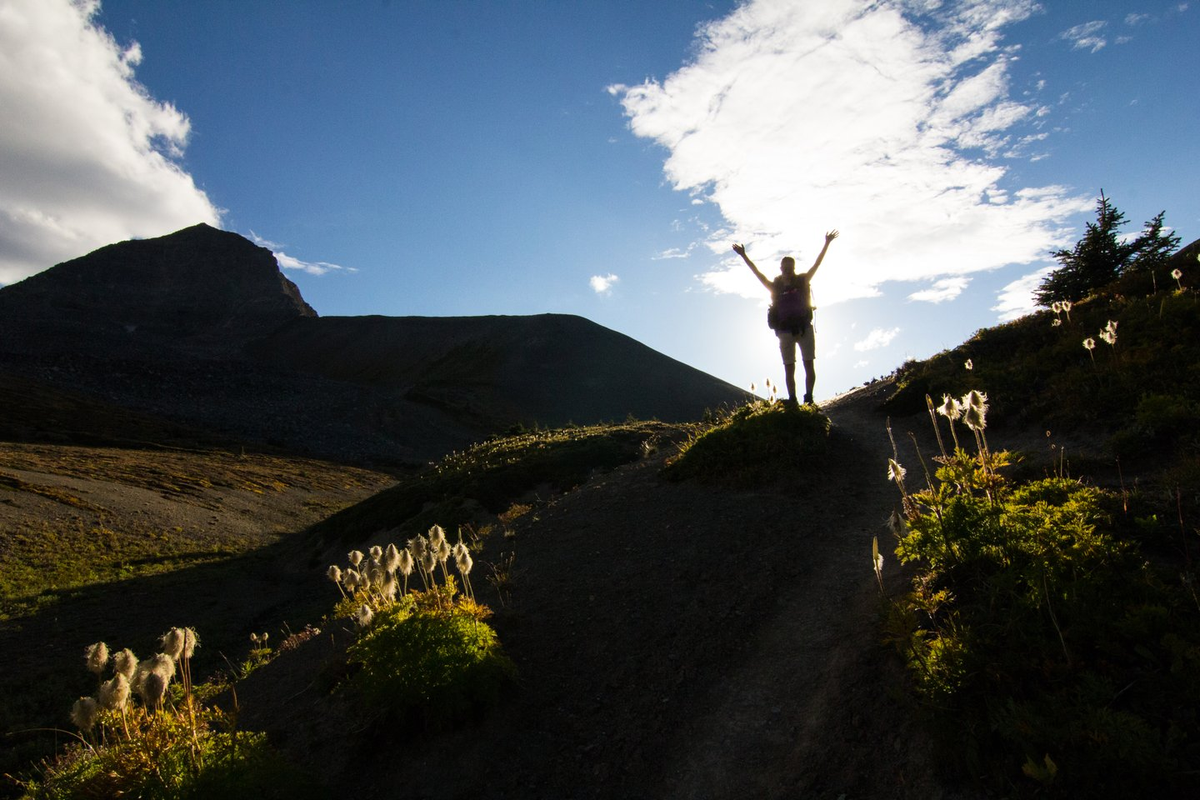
(549, 369)
(200, 328)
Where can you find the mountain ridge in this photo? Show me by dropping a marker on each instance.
(201, 327)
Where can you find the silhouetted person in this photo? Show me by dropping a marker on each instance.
(791, 315)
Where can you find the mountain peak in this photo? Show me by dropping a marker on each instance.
(200, 286)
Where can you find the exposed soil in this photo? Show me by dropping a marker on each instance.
(673, 640)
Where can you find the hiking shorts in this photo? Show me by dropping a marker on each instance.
(807, 342)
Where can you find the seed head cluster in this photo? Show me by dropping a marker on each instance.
(380, 577)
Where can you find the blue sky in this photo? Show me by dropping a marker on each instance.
(599, 158)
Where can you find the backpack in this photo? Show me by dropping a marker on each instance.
(791, 311)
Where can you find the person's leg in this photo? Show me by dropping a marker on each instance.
(808, 352)
(787, 349)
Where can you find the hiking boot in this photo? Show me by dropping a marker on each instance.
(808, 401)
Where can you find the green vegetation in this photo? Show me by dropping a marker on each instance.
(755, 444)
(168, 746)
(100, 534)
(1100, 257)
(1042, 639)
(439, 665)
(489, 477)
(1132, 391)
(422, 652)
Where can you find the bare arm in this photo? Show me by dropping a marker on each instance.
(741, 251)
(829, 237)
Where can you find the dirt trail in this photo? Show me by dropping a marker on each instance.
(680, 641)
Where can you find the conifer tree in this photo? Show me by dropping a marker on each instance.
(1100, 257)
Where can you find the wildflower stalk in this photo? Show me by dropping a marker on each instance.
(936, 430)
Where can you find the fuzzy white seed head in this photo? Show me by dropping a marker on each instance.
(114, 693)
(351, 579)
(1056, 307)
(1055, 323)
(417, 547)
(391, 558)
(1178, 273)
(406, 563)
(356, 557)
(437, 535)
(976, 399)
(163, 664)
(458, 550)
(376, 553)
(152, 688)
(430, 561)
(96, 657)
(1111, 327)
(970, 364)
(1066, 305)
(976, 417)
(125, 663)
(388, 586)
(84, 713)
(1089, 343)
(191, 640)
(334, 573)
(172, 643)
(464, 562)
(444, 551)
(364, 615)
(949, 408)
(895, 471)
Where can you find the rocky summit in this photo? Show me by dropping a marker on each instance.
(199, 289)
(201, 328)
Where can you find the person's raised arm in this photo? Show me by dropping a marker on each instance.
(829, 237)
(741, 251)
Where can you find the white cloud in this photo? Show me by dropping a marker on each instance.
(671, 253)
(941, 290)
(876, 339)
(89, 157)
(1086, 36)
(1016, 299)
(602, 284)
(870, 117)
(288, 262)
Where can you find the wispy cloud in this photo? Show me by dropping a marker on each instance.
(674, 252)
(876, 339)
(1086, 36)
(89, 156)
(1016, 299)
(289, 262)
(873, 117)
(602, 284)
(941, 290)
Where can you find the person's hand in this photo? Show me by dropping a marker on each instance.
(740, 249)
(833, 234)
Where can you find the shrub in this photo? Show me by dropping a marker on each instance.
(441, 666)
(758, 443)
(1042, 640)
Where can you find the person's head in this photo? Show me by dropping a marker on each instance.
(788, 265)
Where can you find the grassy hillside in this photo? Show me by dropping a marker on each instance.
(1052, 627)
(1049, 622)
